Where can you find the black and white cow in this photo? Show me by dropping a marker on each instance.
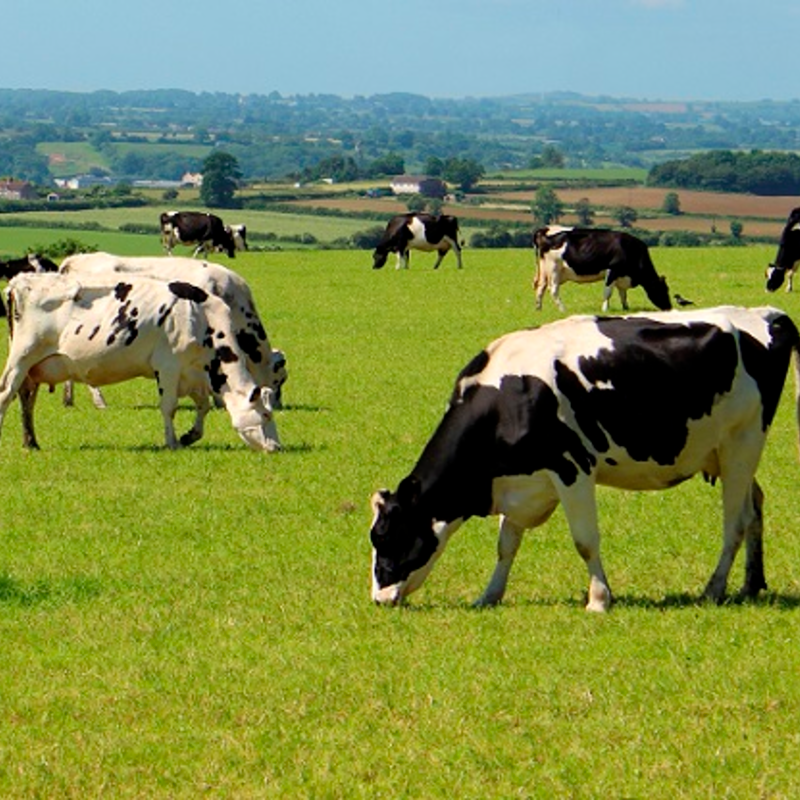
(788, 254)
(205, 231)
(586, 255)
(424, 232)
(32, 262)
(544, 416)
(107, 329)
(239, 233)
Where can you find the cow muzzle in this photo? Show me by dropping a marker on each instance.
(388, 595)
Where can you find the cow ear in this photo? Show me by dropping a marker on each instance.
(378, 500)
(409, 492)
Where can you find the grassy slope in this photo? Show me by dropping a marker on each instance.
(199, 622)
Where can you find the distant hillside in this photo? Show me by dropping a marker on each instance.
(274, 135)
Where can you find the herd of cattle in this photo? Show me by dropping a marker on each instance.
(539, 417)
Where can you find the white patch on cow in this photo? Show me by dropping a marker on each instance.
(419, 242)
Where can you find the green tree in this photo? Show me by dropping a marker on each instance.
(736, 229)
(546, 207)
(464, 172)
(625, 215)
(552, 157)
(584, 212)
(416, 203)
(672, 204)
(434, 167)
(221, 176)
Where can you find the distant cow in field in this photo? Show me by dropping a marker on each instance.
(787, 256)
(423, 232)
(586, 255)
(205, 231)
(107, 329)
(544, 416)
(239, 233)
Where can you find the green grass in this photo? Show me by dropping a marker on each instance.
(178, 624)
(324, 228)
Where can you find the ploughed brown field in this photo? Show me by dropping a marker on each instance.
(702, 211)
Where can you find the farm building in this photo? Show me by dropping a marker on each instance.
(17, 190)
(419, 184)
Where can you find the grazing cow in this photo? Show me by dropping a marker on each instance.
(586, 255)
(239, 233)
(268, 369)
(418, 232)
(206, 231)
(106, 329)
(543, 416)
(788, 254)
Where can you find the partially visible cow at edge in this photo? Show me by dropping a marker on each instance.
(787, 256)
(205, 231)
(32, 262)
(107, 329)
(268, 366)
(544, 416)
(424, 232)
(586, 255)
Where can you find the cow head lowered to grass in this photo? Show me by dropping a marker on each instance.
(543, 416)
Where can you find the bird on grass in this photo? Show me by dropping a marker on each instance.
(682, 301)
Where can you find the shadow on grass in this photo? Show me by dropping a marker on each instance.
(783, 602)
(299, 447)
(53, 592)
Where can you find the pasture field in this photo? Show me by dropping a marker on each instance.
(180, 624)
(325, 229)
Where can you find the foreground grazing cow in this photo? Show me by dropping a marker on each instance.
(418, 232)
(543, 416)
(268, 367)
(586, 255)
(107, 329)
(205, 231)
(788, 254)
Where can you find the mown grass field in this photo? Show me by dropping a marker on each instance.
(198, 623)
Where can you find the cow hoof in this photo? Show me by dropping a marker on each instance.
(599, 597)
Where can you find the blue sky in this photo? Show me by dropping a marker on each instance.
(649, 49)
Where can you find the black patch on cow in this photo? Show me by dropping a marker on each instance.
(94, 332)
(187, 291)
(216, 376)
(768, 365)
(652, 380)
(255, 394)
(491, 432)
(122, 290)
(164, 311)
(248, 344)
(226, 355)
(123, 322)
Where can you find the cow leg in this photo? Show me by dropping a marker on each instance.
(10, 383)
(754, 580)
(457, 251)
(439, 256)
(168, 403)
(742, 500)
(580, 507)
(195, 433)
(27, 401)
(403, 259)
(508, 543)
(97, 398)
(68, 398)
(789, 277)
(608, 288)
(554, 292)
(623, 297)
